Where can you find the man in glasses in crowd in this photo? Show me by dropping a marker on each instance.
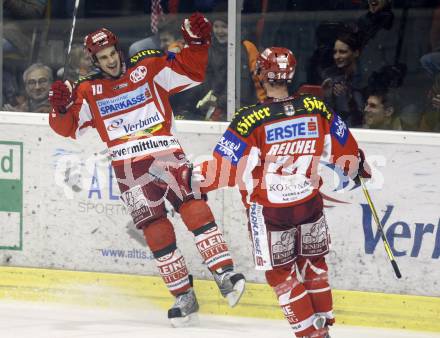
(37, 79)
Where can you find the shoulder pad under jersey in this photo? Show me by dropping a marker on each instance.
(312, 105)
(248, 118)
(89, 77)
(143, 54)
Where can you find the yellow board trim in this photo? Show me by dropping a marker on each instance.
(110, 290)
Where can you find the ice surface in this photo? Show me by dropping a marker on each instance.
(34, 320)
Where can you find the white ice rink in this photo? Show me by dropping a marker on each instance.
(33, 320)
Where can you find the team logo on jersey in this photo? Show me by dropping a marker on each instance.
(115, 124)
(339, 130)
(304, 127)
(289, 110)
(230, 147)
(124, 101)
(138, 74)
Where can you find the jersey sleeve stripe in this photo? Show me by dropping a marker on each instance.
(85, 119)
(251, 164)
(327, 150)
(169, 79)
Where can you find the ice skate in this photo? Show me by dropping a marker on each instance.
(320, 323)
(322, 330)
(231, 285)
(184, 311)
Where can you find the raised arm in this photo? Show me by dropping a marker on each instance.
(187, 68)
(70, 115)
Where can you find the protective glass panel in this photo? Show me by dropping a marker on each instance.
(375, 62)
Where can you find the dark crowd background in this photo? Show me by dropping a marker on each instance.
(375, 62)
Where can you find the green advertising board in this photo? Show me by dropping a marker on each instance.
(11, 195)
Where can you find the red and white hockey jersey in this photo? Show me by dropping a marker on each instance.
(132, 114)
(272, 151)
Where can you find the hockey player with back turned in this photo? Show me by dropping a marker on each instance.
(128, 105)
(271, 151)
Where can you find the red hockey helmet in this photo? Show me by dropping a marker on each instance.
(98, 40)
(276, 64)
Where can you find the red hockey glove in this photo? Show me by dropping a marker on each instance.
(364, 170)
(60, 96)
(187, 177)
(183, 175)
(177, 177)
(196, 30)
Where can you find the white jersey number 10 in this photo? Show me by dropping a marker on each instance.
(97, 89)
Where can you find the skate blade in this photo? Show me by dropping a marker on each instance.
(234, 296)
(188, 321)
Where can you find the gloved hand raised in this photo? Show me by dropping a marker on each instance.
(60, 96)
(196, 30)
(364, 170)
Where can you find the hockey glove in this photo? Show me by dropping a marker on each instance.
(196, 30)
(192, 178)
(60, 96)
(364, 170)
(183, 175)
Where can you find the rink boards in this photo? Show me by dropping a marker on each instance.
(418, 313)
(65, 214)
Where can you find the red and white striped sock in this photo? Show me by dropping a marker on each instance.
(212, 247)
(173, 270)
(315, 275)
(297, 306)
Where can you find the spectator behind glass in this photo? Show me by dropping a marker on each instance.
(17, 42)
(431, 61)
(37, 80)
(170, 38)
(213, 103)
(381, 111)
(343, 82)
(379, 16)
(15, 35)
(160, 23)
(80, 64)
(431, 117)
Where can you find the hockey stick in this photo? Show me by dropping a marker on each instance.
(69, 46)
(380, 228)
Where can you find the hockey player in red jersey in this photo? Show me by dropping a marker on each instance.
(271, 151)
(127, 103)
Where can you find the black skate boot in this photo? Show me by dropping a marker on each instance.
(230, 283)
(184, 311)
